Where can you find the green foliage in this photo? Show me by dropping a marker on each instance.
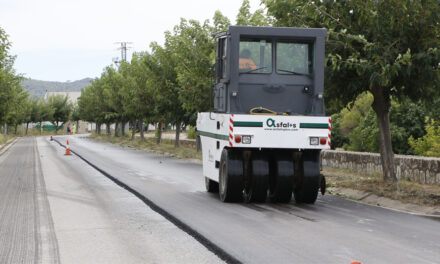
(61, 110)
(246, 18)
(428, 145)
(355, 127)
(12, 96)
(355, 112)
(191, 133)
(221, 22)
(365, 137)
(390, 48)
(338, 139)
(193, 51)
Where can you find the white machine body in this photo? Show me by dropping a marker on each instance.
(218, 131)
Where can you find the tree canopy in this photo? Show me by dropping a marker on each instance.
(389, 48)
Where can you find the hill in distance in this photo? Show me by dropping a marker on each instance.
(38, 88)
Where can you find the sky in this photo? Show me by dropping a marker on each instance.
(67, 40)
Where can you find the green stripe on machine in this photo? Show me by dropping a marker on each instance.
(313, 125)
(247, 124)
(212, 135)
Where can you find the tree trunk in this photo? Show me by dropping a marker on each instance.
(177, 141)
(41, 128)
(56, 128)
(107, 128)
(16, 127)
(133, 129)
(141, 128)
(381, 105)
(159, 133)
(77, 126)
(123, 128)
(27, 127)
(117, 129)
(98, 128)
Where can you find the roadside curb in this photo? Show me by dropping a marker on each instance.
(7, 145)
(219, 252)
(378, 201)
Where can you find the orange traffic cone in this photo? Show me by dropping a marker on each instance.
(356, 262)
(67, 148)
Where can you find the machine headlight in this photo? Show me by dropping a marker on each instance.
(246, 139)
(314, 141)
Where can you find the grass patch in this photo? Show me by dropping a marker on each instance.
(4, 139)
(405, 191)
(166, 147)
(36, 132)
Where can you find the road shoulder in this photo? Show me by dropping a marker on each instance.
(100, 222)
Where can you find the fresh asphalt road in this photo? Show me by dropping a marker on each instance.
(333, 230)
(58, 209)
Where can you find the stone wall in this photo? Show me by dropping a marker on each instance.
(413, 168)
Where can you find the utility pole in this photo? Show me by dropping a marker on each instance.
(123, 47)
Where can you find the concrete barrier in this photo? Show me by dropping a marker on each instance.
(425, 170)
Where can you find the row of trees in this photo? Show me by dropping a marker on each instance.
(387, 49)
(11, 91)
(169, 84)
(16, 107)
(55, 109)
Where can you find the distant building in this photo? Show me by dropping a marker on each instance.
(73, 96)
(81, 126)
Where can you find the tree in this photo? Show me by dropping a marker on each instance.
(76, 115)
(62, 109)
(193, 50)
(169, 107)
(221, 22)
(112, 82)
(137, 95)
(246, 18)
(390, 48)
(11, 91)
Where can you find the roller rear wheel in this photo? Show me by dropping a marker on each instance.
(256, 178)
(281, 178)
(307, 187)
(231, 176)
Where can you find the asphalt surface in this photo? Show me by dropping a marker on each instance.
(333, 230)
(58, 209)
(26, 228)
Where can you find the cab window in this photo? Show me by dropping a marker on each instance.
(294, 58)
(255, 56)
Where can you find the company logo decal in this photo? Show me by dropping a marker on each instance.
(271, 124)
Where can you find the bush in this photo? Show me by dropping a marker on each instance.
(191, 133)
(429, 144)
